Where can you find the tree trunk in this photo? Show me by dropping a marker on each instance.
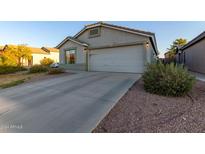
(19, 61)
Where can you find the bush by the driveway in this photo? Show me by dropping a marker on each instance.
(38, 69)
(11, 69)
(47, 61)
(167, 80)
(56, 70)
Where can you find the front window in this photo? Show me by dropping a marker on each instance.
(70, 56)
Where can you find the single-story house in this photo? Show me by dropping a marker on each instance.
(192, 55)
(38, 54)
(110, 48)
(45, 52)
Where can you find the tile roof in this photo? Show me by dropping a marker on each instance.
(131, 30)
(50, 49)
(121, 27)
(36, 50)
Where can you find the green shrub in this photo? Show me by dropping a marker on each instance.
(56, 71)
(38, 69)
(47, 61)
(167, 80)
(11, 69)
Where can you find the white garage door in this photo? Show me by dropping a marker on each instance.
(123, 59)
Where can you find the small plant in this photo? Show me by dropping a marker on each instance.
(11, 69)
(12, 83)
(38, 69)
(47, 61)
(56, 71)
(167, 80)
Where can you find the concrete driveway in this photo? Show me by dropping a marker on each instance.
(73, 103)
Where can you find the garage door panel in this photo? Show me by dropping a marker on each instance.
(126, 59)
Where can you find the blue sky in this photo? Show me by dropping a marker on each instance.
(40, 34)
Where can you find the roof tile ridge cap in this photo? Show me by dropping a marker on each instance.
(93, 24)
(125, 27)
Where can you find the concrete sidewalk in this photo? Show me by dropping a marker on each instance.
(73, 103)
(199, 76)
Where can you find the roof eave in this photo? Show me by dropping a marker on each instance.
(69, 39)
(193, 41)
(150, 35)
(113, 27)
(154, 46)
(147, 34)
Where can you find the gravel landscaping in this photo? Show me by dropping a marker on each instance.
(142, 112)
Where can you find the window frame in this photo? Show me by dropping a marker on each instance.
(95, 35)
(75, 55)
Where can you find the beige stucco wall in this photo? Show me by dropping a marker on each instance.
(107, 37)
(54, 56)
(110, 37)
(38, 57)
(79, 52)
(150, 53)
(195, 57)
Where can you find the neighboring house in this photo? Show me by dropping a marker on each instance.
(167, 57)
(40, 53)
(111, 48)
(192, 55)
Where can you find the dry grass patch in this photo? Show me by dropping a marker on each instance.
(9, 80)
(12, 83)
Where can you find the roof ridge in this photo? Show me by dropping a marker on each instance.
(99, 22)
(129, 28)
(123, 27)
(72, 39)
(48, 47)
(26, 46)
(33, 49)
